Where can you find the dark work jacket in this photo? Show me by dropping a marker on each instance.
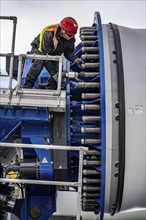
(64, 46)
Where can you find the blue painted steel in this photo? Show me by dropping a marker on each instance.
(35, 129)
(103, 114)
(68, 125)
(19, 113)
(41, 197)
(68, 110)
(8, 128)
(44, 197)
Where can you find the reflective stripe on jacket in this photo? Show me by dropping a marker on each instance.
(52, 28)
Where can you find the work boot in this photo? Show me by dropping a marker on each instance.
(28, 83)
(52, 84)
(33, 73)
(28, 86)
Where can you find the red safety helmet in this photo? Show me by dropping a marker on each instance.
(70, 25)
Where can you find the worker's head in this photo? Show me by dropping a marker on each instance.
(69, 27)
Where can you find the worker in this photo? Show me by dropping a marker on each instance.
(53, 40)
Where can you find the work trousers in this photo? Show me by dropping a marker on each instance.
(36, 68)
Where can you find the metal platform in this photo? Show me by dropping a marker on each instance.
(34, 97)
(12, 95)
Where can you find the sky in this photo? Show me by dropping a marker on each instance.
(33, 16)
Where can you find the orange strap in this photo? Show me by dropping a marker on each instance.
(51, 28)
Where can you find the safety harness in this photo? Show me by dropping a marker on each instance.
(52, 28)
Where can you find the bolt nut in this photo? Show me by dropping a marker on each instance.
(117, 164)
(116, 174)
(34, 212)
(117, 105)
(117, 117)
(114, 61)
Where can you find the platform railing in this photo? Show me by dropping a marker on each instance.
(77, 184)
(18, 96)
(39, 57)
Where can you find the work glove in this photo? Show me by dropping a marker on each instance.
(79, 62)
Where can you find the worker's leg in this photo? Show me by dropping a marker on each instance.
(33, 73)
(52, 68)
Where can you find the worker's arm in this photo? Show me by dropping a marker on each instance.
(69, 52)
(35, 45)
